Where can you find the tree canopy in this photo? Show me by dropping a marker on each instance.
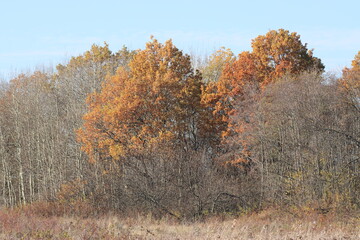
(157, 100)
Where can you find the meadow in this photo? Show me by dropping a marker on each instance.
(268, 224)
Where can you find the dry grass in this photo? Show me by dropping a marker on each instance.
(265, 225)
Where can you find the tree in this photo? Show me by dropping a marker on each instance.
(149, 130)
(279, 52)
(217, 61)
(159, 99)
(85, 73)
(220, 96)
(302, 140)
(273, 55)
(73, 82)
(38, 114)
(144, 126)
(30, 138)
(350, 83)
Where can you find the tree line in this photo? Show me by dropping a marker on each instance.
(154, 131)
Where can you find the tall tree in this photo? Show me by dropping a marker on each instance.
(220, 96)
(350, 83)
(278, 52)
(212, 71)
(148, 127)
(158, 99)
(272, 55)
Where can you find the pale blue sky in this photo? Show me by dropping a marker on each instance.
(44, 32)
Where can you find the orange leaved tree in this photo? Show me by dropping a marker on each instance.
(279, 52)
(157, 101)
(148, 122)
(350, 83)
(273, 55)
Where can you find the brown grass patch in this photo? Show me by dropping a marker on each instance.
(268, 224)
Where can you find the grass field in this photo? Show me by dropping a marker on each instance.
(268, 224)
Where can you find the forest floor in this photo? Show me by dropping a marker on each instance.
(267, 224)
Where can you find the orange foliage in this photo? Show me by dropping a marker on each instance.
(157, 101)
(273, 55)
(279, 52)
(350, 82)
(221, 95)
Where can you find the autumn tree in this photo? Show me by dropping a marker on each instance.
(213, 69)
(153, 106)
(349, 88)
(73, 81)
(279, 52)
(157, 100)
(81, 76)
(350, 83)
(85, 73)
(148, 127)
(219, 96)
(272, 56)
(348, 126)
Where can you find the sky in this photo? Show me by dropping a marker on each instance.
(40, 34)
